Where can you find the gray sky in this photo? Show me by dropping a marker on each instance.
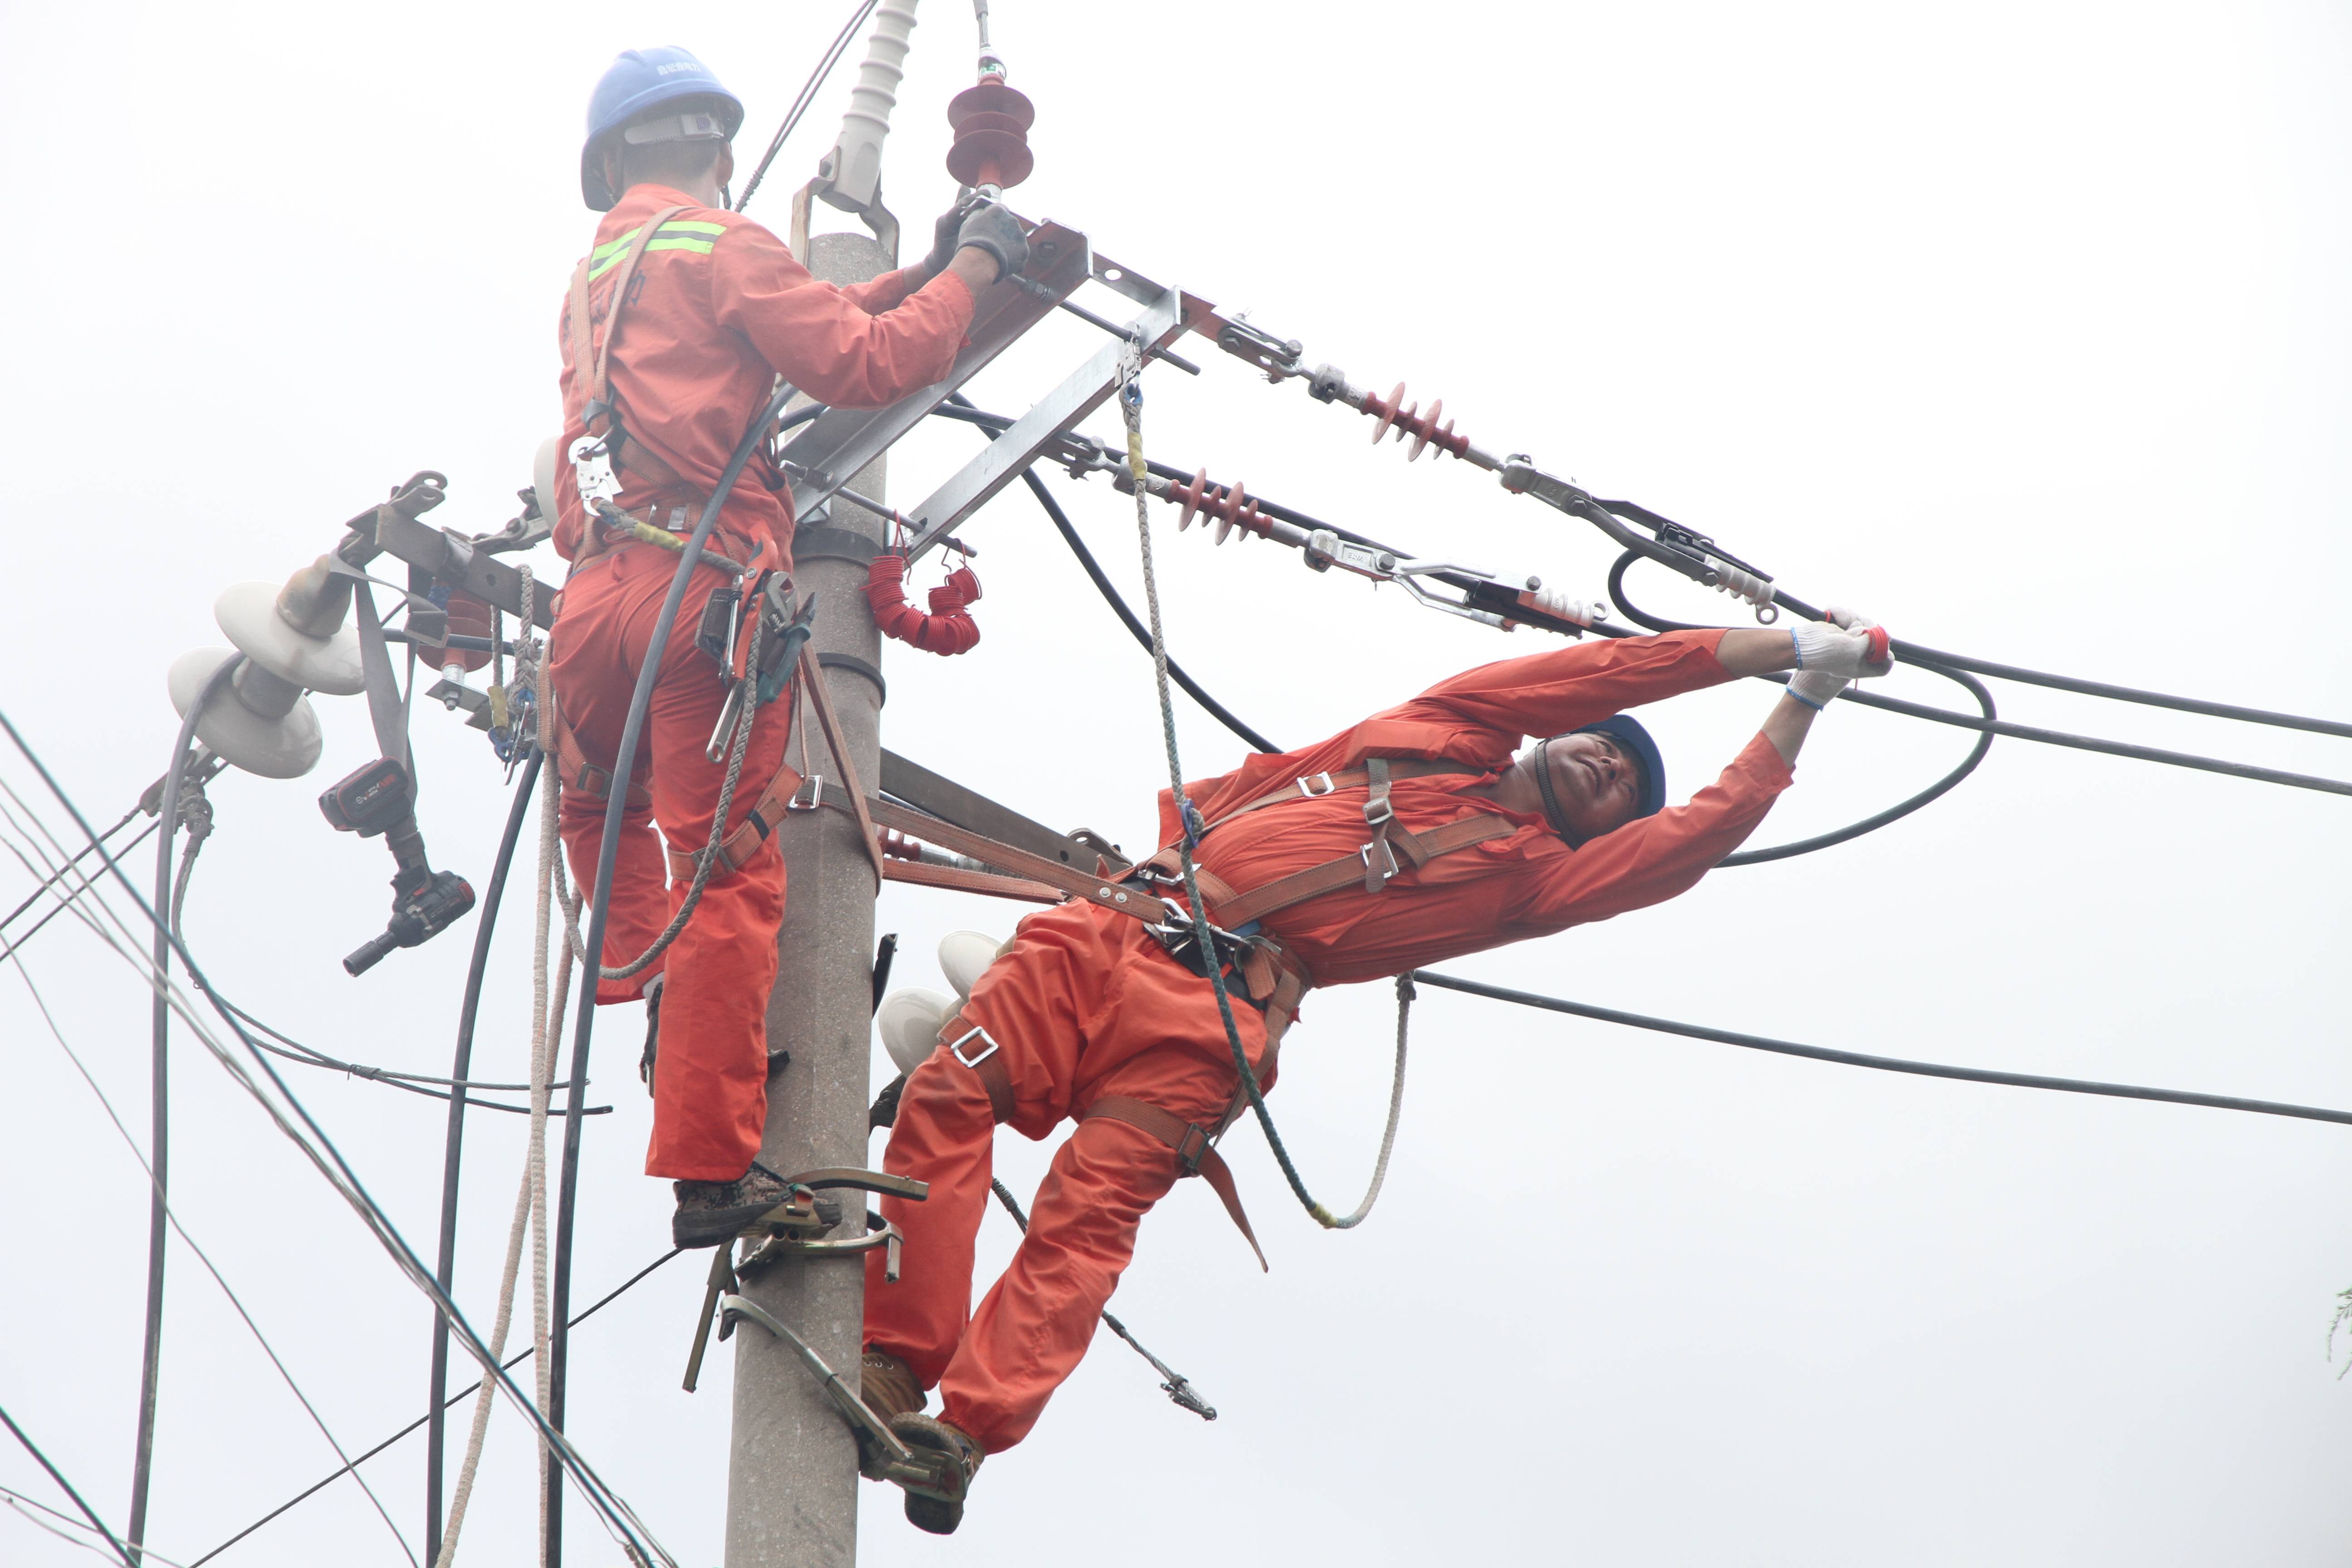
(2021, 327)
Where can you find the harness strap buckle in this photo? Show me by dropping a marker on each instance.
(809, 796)
(1306, 784)
(1378, 872)
(955, 1046)
(1191, 1148)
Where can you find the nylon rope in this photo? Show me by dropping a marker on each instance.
(1130, 404)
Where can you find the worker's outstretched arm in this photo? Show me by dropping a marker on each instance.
(1653, 859)
(824, 341)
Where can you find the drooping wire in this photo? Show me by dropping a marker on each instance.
(294, 1120)
(449, 1404)
(959, 407)
(1881, 1063)
(809, 89)
(172, 1219)
(66, 1524)
(66, 1486)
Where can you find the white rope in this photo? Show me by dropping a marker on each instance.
(547, 1009)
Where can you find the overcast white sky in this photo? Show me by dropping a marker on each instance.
(2023, 326)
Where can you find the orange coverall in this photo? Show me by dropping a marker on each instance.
(716, 310)
(1088, 1004)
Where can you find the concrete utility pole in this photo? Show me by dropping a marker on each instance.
(792, 1473)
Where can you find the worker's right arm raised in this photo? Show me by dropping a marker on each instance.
(826, 342)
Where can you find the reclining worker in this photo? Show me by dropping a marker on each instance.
(1087, 1015)
(678, 323)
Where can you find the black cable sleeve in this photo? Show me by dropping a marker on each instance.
(1882, 1064)
(452, 1140)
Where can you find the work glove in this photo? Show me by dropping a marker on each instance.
(992, 228)
(943, 239)
(1850, 647)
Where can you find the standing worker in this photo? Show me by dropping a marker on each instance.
(1412, 837)
(678, 323)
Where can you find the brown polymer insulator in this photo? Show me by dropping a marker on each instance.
(1424, 430)
(899, 847)
(1230, 504)
(991, 124)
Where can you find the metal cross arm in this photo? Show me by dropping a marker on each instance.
(836, 444)
(1084, 391)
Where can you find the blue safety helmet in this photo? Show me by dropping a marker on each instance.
(638, 82)
(1629, 736)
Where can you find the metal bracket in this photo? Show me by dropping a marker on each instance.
(879, 1232)
(831, 447)
(1006, 457)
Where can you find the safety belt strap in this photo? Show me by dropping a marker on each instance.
(1311, 785)
(744, 842)
(629, 451)
(575, 772)
(1195, 1155)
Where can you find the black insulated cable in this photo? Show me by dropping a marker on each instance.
(67, 1487)
(293, 1118)
(957, 407)
(593, 941)
(1881, 1063)
(452, 1141)
(451, 1403)
(1911, 654)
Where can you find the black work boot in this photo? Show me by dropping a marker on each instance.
(711, 1213)
(937, 1506)
(889, 1387)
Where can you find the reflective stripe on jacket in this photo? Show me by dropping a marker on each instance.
(718, 308)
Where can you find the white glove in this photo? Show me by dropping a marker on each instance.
(1827, 659)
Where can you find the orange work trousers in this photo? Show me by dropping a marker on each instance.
(710, 1093)
(1085, 1004)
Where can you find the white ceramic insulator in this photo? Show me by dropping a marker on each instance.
(853, 169)
(543, 474)
(964, 956)
(1741, 585)
(908, 1022)
(285, 747)
(248, 613)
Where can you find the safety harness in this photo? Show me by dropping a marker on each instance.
(769, 590)
(1274, 979)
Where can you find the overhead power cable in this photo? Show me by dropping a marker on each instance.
(1881, 1063)
(66, 1486)
(294, 1120)
(449, 1404)
(172, 1219)
(1946, 664)
(807, 96)
(71, 1530)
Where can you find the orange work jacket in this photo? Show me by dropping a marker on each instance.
(716, 310)
(1506, 890)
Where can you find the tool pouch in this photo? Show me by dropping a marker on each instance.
(715, 635)
(784, 632)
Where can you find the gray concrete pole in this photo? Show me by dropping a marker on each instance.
(791, 1474)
